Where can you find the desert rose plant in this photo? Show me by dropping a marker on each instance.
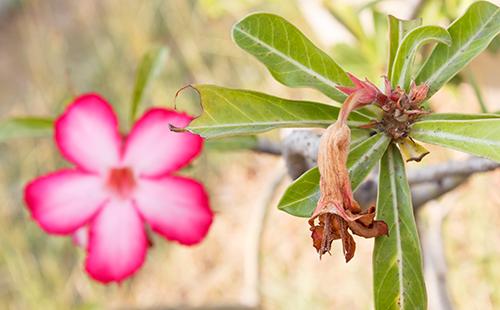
(389, 121)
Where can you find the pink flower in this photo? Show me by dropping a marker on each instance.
(119, 185)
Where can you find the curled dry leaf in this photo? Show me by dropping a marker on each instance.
(412, 150)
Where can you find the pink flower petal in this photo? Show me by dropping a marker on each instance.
(175, 207)
(357, 82)
(152, 149)
(63, 201)
(347, 90)
(87, 134)
(81, 237)
(117, 242)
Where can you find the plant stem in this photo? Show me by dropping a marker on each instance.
(477, 90)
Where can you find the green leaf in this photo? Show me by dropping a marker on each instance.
(290, 56)
(348, 17)
(398, 280)
(398, 28)
(480, 137)
(367, 55)
(364, 156)
(405, 56)
(359, 135)
(231, 143)
(470, 35)
(26, 127)
(379, 39)
(302, 195)
(229, 112)
(150, 66)
(456, 116)
(354, 59)
(494, 46)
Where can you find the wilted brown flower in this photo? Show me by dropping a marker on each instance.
(337, 211)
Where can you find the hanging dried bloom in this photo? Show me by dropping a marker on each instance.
(337, 211)
(119, 185)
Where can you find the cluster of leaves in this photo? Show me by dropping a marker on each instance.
(295, 61)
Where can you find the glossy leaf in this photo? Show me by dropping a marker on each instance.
(457, 116)
(150, 66)
(397, 259)
(480, 137)
(405, 56)
(25, 127)
(301, 196)
(359, 135)
(290, 56)
(231, 143)
(470, 35)
(229, 112)
(398, 28)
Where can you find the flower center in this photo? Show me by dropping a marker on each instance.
(398, 116)
(121, 181)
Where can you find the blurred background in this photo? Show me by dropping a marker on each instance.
(53, 50)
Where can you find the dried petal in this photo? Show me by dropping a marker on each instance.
(348, 244)
(387, 86)
(324, 233)
(377, 228)
(412, 150)
(418, 93)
